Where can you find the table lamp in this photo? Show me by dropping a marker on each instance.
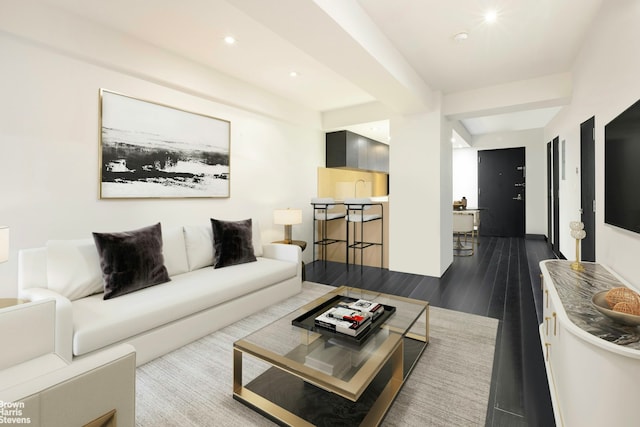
(578, 233)
(4, 243)
(287, 217)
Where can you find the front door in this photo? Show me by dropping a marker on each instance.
(588, 188)
(549, 196)
(501, 192)
(555, 166)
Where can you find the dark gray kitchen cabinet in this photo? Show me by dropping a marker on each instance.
(345, 149)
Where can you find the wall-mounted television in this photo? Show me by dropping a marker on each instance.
(622, 170)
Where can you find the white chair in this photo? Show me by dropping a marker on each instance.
(325, 209)
(49, 391)
(476, 226)
(355, 214)
(463, 223)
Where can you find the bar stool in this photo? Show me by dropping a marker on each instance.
(321, 216)
(355, 214)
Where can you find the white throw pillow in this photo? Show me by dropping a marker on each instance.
(73, 268)
(256, 238)
(199, 243)
(174, 251)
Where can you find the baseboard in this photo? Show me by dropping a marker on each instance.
(558, 254)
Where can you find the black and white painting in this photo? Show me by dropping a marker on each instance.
(150, 150)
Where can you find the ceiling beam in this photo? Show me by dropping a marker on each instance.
(341, 36)
(363, 113)
(549, 91)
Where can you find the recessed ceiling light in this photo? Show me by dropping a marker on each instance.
(293, 74)
(461, 36)
(490, 17)
(230, 40)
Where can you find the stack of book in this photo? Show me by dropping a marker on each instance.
(350, 319)
(372, 308)
(329, 359)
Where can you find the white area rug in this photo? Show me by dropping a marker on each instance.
(449, 386)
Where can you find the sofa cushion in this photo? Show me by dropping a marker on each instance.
(232, 242)
(198, 240)
(256, 237)
(99, 323)
(73, 268)
(131, 260)
(173, 251)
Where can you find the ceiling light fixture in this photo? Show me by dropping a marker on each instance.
(490, 17)
(230, 40)
(293, 74)
(461, 36)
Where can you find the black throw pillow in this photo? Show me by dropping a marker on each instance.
(131, 260)
(232, 242)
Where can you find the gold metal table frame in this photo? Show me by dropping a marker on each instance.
(389, 348)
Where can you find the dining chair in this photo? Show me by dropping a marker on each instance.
(463, 224)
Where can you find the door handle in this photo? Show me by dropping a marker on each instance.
(519, 197)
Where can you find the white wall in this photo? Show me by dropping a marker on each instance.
(420, 179)
(49, 141)
(465, 172)
(465, 175)
(444, 205)
(606, 82)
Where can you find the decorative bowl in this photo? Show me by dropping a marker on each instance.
(600, 303)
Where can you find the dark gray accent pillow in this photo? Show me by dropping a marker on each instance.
(131, 260)
(232, 242)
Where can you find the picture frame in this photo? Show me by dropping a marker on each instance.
(152, 150)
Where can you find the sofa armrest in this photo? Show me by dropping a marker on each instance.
(63, 318)
(282, 252)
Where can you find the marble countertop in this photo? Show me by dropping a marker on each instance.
(576, 289)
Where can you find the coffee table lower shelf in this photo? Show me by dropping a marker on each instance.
(289, 400)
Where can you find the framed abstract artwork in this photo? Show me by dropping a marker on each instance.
(149, 150)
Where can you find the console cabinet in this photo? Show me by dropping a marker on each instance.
(592, 363)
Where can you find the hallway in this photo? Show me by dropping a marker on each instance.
(501, 281)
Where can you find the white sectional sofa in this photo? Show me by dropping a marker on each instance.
(198, 299)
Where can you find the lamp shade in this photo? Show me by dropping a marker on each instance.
(287, 216)
(4, 243)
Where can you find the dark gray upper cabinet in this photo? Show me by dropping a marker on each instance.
(345, 149)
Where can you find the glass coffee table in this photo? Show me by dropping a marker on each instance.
(301, 377)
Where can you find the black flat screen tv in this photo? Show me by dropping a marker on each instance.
(622, 170)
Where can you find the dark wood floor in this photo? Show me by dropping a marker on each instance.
(501, 280)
